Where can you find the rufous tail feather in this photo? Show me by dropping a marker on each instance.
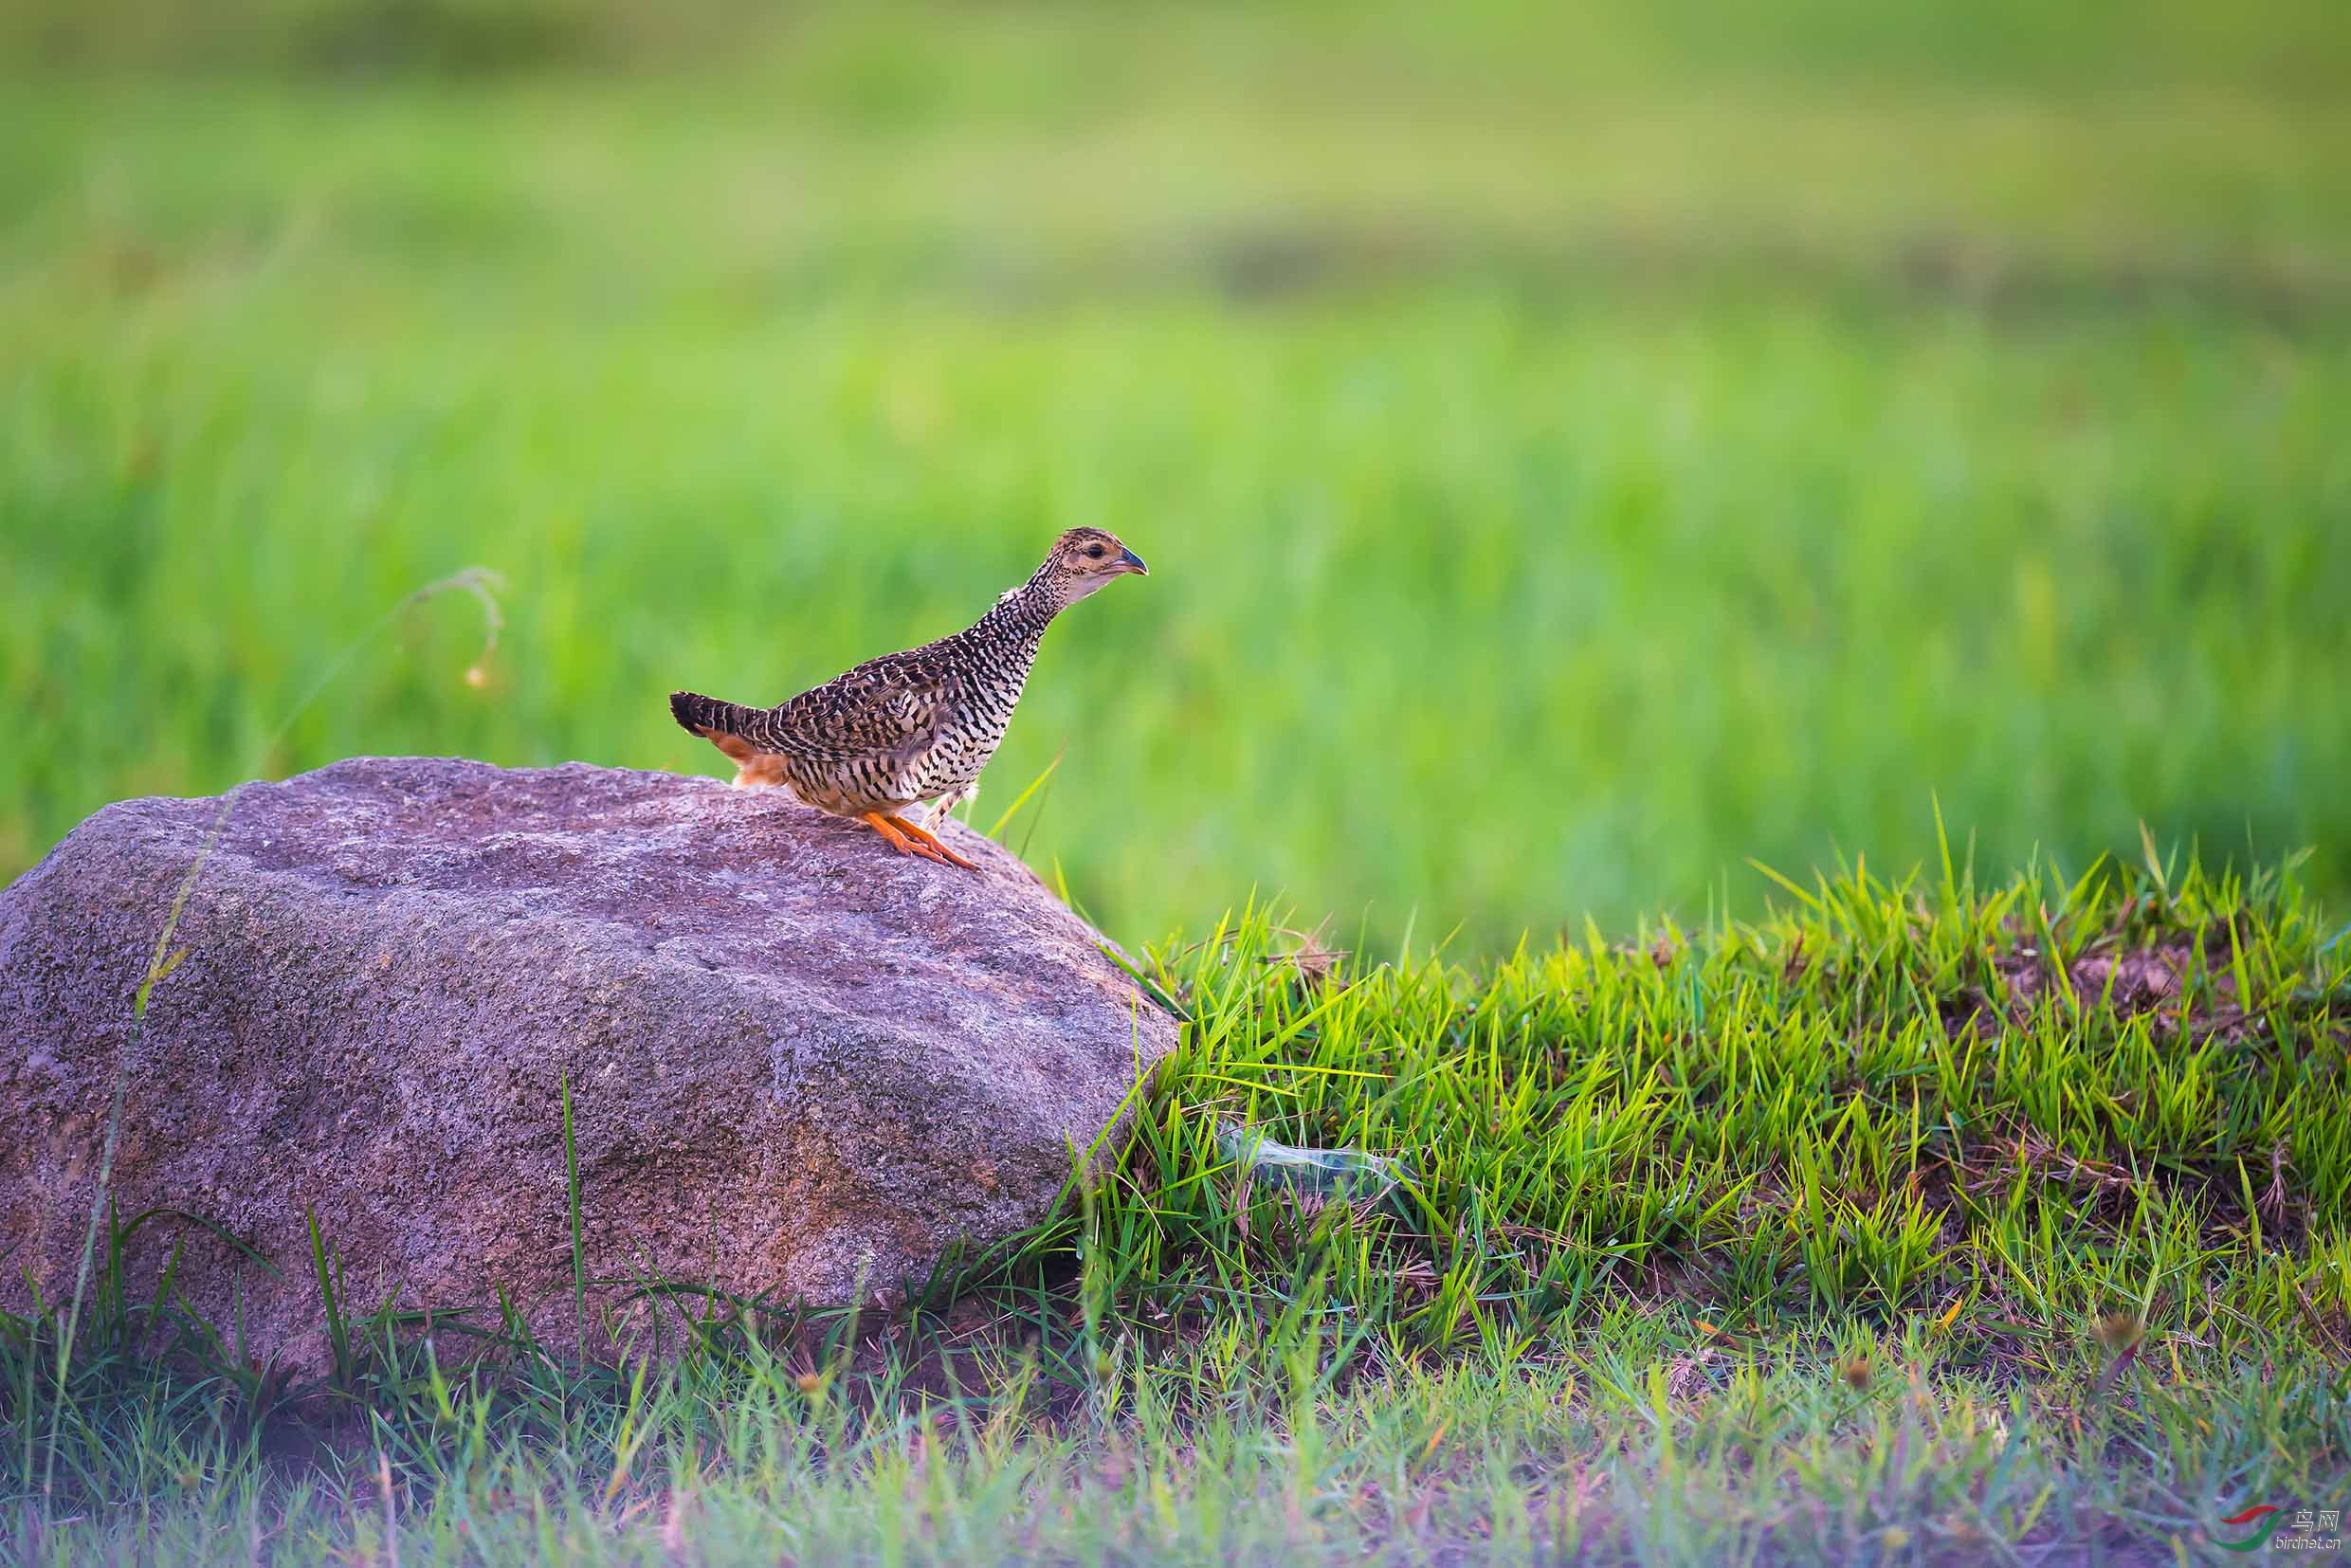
(720, 723)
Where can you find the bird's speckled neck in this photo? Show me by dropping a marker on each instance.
(1030, 608)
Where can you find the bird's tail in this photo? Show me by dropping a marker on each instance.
(725, 725)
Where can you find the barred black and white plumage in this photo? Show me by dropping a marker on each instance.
(911, 726)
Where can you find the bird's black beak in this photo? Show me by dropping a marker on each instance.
(1129, 561)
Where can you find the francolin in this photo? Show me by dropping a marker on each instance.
(911, 726)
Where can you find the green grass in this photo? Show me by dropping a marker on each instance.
(1841, 1233)
(1571, 462)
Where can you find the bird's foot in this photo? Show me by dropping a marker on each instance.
(898, 834)
(907, 839)
(926, 840)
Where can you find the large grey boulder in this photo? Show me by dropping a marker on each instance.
(798, 1061)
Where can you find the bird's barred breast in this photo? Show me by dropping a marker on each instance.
(964, 749)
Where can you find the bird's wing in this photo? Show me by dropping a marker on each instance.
(887, 712)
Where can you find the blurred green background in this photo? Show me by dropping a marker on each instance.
(1577, 448)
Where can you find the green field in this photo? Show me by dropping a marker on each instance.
(1579, 452)
(1844, 1235)
(1570, 466)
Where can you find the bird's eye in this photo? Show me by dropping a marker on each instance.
(1095, 551)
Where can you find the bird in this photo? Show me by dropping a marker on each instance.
(909, 727)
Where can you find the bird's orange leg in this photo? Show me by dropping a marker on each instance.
(926, 840)
(898, 833)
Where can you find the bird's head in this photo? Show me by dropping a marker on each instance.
(1085, 559)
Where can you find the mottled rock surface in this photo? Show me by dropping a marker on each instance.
(797, 1059)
